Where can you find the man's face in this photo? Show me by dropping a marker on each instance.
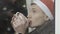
(36, 16)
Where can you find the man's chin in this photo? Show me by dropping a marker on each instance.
(33, 26)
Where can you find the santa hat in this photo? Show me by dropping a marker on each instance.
(47, 6)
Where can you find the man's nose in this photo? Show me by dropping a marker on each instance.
(29, 16)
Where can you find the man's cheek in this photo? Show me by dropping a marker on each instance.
(35, 20)
(35, 23)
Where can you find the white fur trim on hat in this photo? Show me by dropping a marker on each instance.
(44, 8)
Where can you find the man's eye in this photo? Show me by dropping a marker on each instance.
(34, 11)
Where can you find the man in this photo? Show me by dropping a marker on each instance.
(42, 12)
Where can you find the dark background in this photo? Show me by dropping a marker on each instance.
(5, 15)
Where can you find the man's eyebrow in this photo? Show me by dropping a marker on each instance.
(33, 4)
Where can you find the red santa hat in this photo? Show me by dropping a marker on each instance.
(47, 6)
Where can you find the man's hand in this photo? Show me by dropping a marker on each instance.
(19, 22)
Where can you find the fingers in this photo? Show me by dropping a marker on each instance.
(19, 19)
(19, 22)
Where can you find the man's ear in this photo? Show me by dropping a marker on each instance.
(46, 18)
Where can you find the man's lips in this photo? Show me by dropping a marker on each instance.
(30, 22)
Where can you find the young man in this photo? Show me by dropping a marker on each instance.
(42, 11)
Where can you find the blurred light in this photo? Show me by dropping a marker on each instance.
(5, 8)
(8, 28)
(24, 6)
